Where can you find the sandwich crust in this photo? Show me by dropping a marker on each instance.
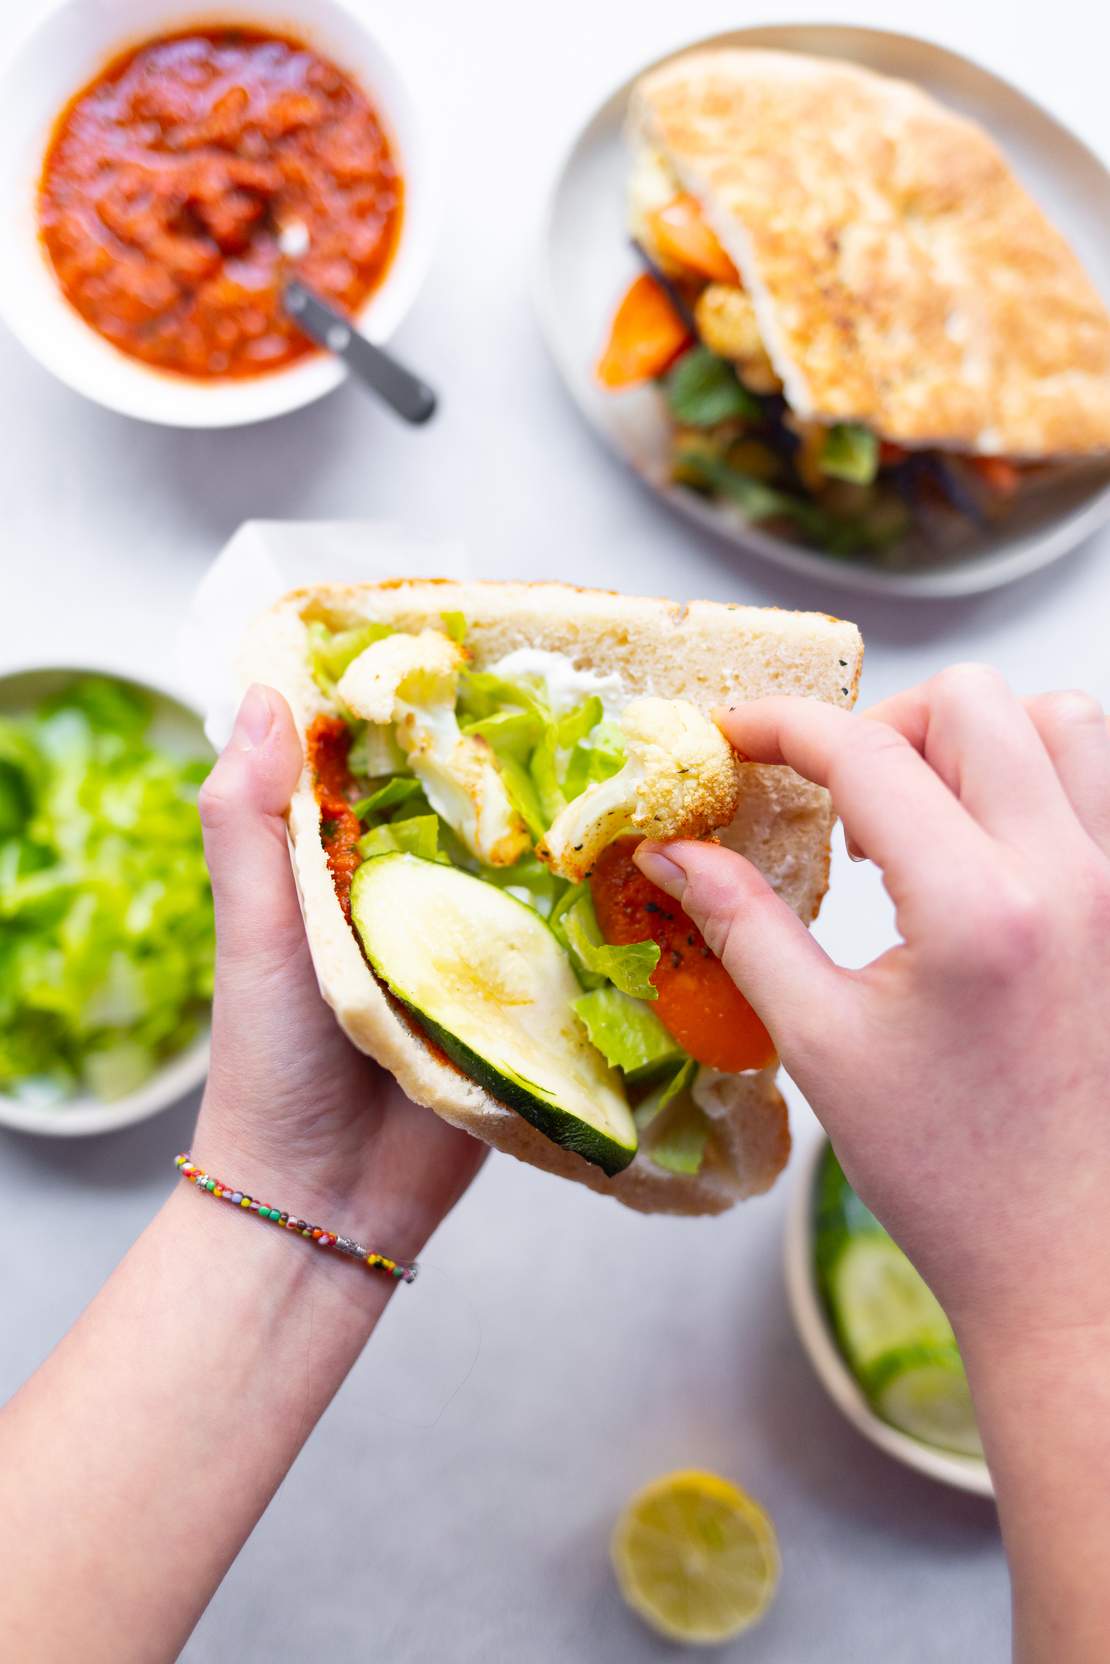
(902, 276)
(706, 652)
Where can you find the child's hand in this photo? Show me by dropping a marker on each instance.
(965, 1075)
(291, 1105)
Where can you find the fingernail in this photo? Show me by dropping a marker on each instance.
(253, 721)
(855, 853)
(661, 870)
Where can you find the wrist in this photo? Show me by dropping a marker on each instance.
(252, 1257)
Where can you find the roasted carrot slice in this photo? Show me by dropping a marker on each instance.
(646, 335)
(681, 236)
(699, 1004)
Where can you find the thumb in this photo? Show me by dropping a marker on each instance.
(789, 980)
(242, 808)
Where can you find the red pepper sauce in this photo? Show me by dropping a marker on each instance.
(194, 176)
(699, 1004)
(329, 742)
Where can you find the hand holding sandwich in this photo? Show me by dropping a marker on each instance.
(964, 1074)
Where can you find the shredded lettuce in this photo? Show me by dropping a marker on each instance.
(454, 623)
(331, 651)
(628, 966)
(680, 1147)
(625, 1030)
(530, 880)
(374, 751)
(702, 390)
(511, 733)
(106, 938)
(676, 1078)
(850, 452)
(417, 835)
(396, 791)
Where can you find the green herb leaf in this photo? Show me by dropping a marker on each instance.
(702, 390)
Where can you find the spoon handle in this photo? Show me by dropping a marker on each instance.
(402, 391)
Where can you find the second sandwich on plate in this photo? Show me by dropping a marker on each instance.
(481, 760)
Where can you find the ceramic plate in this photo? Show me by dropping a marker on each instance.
(585, 265)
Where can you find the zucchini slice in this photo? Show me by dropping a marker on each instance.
(488, 981)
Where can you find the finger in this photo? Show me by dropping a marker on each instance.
(977, 735)
(894, 807)
(1074, 731)
(242, 807)
(789, 980)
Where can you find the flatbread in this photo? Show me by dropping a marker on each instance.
(704, 651)
(902, 276)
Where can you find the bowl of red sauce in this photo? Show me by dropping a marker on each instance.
(165, 171)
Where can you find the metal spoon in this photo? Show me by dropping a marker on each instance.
(402, 391)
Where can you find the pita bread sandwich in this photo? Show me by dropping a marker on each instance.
(861, 322)
(480, 761)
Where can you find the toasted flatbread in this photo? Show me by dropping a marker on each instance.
(706, 652)
(902, 277)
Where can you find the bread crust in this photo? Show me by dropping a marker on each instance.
(902, 276)
(705, 651)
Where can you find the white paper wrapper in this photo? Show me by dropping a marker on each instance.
(264, 560)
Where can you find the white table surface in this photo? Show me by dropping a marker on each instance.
(642, 1344)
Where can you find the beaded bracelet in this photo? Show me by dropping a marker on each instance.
(289, 1222)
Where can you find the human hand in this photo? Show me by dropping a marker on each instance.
(964, 1075)
(292, 1109)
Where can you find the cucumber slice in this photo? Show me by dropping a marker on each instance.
(880, 1303)
(489, 982)
(923, 1391)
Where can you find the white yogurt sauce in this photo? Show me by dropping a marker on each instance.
(566, 684)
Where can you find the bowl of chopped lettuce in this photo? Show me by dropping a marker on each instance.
(106, 932)
(880, 1343)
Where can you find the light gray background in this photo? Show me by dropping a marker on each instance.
(612, 1347)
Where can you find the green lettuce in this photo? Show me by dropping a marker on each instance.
(331, 651)
(680, 1147)
(400, 789)
(850, 452)
(106, 937)
(418, 835)
(374, 751)
(627, 966)
(676, 1078)
(625, 1030)
(702, 390)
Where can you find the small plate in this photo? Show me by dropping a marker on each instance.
(179, 730)
(966, 1473)
(585, 264)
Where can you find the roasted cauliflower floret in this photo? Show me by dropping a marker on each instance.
(411, 681)
(681, 779)
(727, 324)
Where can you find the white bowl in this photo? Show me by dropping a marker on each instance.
(62, 54)
(966, 1473)
(179, 729)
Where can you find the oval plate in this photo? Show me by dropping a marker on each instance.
(585, 263)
